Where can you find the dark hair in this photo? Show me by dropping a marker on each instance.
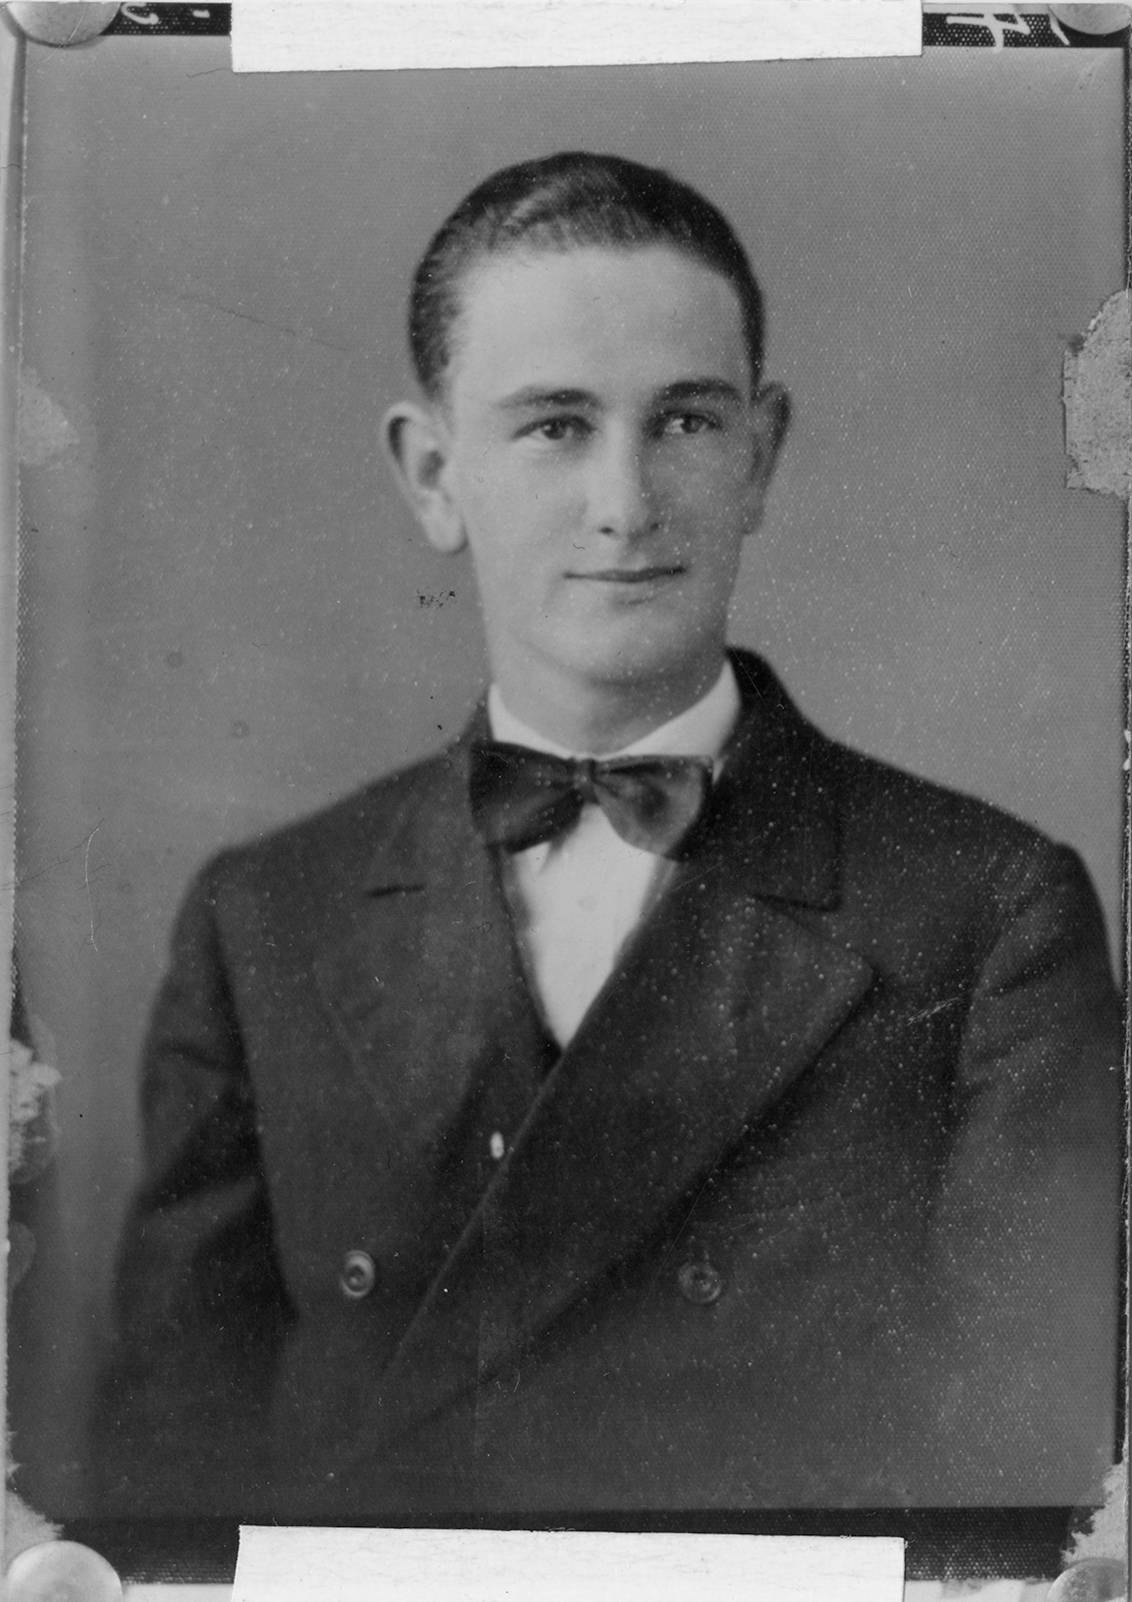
(557, 203)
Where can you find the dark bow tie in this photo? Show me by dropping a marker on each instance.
(521, 797)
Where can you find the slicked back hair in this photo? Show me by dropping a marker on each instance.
(559, 203)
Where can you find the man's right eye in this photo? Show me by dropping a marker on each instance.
(557, 430)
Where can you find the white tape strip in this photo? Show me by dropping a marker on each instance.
(336, 35)
(353, 1565)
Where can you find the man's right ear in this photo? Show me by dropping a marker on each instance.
(416, 442)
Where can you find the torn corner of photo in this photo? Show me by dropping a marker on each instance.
(1098, 402)
(394, 35)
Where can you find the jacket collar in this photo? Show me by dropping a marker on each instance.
(774, 813)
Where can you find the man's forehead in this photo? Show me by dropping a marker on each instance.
(565, 317)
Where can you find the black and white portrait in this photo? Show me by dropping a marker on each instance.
(569, 812)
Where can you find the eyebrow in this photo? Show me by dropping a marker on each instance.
(702, 389)
(534, 396)
(682, 390)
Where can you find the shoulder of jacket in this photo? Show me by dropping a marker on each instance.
(895, 824)
(338, 839)
(886, 810)
(876, 794)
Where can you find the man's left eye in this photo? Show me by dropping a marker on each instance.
(683, 423)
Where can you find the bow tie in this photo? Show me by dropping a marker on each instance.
(522, 797)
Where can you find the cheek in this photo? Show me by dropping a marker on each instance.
(515, 551)
(716, 484)
(519, 522)
(709, 514)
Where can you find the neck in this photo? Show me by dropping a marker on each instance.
(599, 717)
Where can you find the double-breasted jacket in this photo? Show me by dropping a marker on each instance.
(818, 1208)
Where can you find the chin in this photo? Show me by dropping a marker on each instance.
(637, 663)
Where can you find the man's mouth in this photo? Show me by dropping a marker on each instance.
(629, 575)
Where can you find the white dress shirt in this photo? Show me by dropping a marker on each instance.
(575, 900)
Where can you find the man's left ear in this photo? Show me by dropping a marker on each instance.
(770, 422)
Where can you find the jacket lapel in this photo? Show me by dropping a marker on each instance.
(723, 999)
(424, 984)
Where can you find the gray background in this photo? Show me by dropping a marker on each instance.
(222, 611)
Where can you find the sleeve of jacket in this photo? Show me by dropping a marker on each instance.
(1027, 1228)
(199, 1304)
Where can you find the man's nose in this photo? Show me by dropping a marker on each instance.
(622, 501)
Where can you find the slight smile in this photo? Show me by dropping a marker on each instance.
(629, 575)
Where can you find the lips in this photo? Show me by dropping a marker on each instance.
(629, 575)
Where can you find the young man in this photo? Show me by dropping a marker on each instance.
(646, 1103)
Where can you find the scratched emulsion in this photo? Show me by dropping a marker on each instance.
(43, 430)
(1108, 1527)
(1097, 389)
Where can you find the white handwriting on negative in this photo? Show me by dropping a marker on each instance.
(998, 26)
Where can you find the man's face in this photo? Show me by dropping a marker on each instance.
(605, 459)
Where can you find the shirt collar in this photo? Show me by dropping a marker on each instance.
(702, 729)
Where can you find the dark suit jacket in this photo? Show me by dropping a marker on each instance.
(818, 1208)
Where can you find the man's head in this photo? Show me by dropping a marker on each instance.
(562, 203)
(588, 336)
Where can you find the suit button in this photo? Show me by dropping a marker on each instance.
(358, 1276)
(700, 1282)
